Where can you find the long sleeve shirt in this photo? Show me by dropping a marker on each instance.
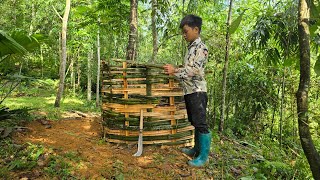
(192, 74)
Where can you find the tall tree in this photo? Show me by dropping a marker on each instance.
(133, 33)
(89, 82)
(225, 69)
(302, 93)
(98, 69)
(62, 71)
(154, 30)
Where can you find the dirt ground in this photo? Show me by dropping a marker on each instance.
(102, 160)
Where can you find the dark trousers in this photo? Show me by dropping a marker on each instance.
(196, 105)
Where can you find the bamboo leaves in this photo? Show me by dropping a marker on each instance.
(235, 24)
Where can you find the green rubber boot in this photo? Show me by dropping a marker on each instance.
(193, 152)
(204, 145)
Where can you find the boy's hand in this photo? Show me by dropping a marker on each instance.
(169, 69)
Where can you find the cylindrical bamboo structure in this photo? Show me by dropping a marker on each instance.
(126, 89)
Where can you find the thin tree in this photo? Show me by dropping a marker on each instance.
(78, 61)
(302, 93)
(282, 107)
(225, 70)
(133, 33)
(33, 15)
(89, 91)
(62, 70)
(98, 69)
(154, 30)
(72, 76)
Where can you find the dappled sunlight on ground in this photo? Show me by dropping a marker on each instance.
(50, 100)
(72, 101)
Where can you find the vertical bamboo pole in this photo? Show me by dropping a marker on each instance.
(172, 111)
(125, 93)
(148, 86)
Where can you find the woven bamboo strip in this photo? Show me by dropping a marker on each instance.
(182, 140)
(121, 80)
(147, 133)
(151, 138)
(135, 117)
(150, 124)
(134, 126)
(154, 93)
(155, 113)
(136, 108)
(161, 116)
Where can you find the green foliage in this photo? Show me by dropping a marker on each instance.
(40, 96)
(30, 156)
(261, 32)
(4, 173)
(14, 117)
(253, 158)
(275, 169)
(8, 45)
(251, 93)
(276, 34)
(18, 157)
(235, 24)
(317, 66)
(314, 17)
(27, 159)
(61, 166)
(117, 170)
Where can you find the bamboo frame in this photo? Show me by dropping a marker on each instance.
(127, 89)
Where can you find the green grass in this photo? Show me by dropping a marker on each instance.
(26, 157)
(45, 104)
(40, 95)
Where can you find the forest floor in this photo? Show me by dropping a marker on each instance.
(74, 148)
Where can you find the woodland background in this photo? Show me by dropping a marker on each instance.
(257, 106)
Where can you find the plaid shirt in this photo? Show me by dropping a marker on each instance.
(192, 74)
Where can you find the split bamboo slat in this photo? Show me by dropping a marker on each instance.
(129, 87)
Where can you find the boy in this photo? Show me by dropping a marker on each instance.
(194, 86)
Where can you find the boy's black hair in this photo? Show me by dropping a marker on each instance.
(192, 21)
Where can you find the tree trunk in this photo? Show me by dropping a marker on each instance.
(225, 70)
(154, 31)
(273, 115)
(90, 54)
(78, 68)
(183, 49)
(41, 58)
(33, 14)
(98, 69)
(14, 13)
(294, 123)
(63, 53)
(133, 33)
(282, 107)
(72, 76)
(214, 102)
(115, 51)
(302, 93)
